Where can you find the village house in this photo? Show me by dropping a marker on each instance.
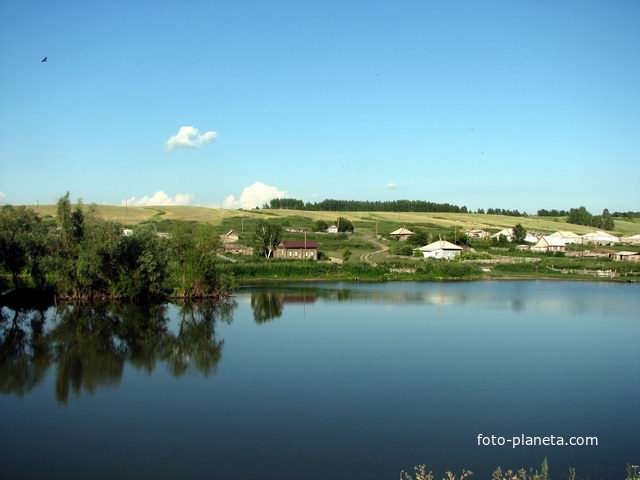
(507, 232)
(332, 229)
(531, 238)
(297, 250)
(401, 234)
(633, 239)
(567, 236)
(230, 237)
(625, 256)
(440, 249)
(127, 232)
(477, 233)
(599, 237)
(547, 243)
(237, 249)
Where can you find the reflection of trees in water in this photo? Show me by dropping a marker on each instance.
(196, 345)
(85, 349)
(266, 305)
(89, 344)
(24, 354)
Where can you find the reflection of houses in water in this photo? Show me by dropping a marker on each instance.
(299, 297)
(269, 304)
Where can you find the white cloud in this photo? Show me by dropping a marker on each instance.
(2, 195)
(253, 196)
(391, 185)
(189, 136)
(160, 199)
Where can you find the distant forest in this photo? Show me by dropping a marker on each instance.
(332, 205)
(365, 206)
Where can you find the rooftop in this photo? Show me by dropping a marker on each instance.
(310, 244)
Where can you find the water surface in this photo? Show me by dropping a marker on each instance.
(324, 381)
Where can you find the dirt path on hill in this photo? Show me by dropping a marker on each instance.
(368, 257)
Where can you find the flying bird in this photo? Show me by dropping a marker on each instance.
(44, 60)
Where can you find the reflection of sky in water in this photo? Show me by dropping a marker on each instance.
(534, 296)
(326, 381)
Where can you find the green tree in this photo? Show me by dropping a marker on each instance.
(23, 243)
(519, 233)
(344, 225)
(346, 255)
(419, 238)
(266, 238)
(580, 216)
(604, 221)
(320, 226)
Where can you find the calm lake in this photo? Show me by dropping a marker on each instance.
(324, 381)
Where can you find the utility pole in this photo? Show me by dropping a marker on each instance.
(37, 205)
(242, 224)
(126, 210)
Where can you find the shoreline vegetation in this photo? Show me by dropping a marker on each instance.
(420, 472)
(83, 253)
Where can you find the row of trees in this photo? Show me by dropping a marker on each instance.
(344, 225)
(365, 206)
(552, 213)
(504, 211)
(83, 256)
(581, 216)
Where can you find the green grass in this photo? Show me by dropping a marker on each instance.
(387, 221)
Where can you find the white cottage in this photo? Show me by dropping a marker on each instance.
(401, 234)
(507, 232)
(600, 237)
(477, 233)
(634, 239)
(567, 236)
(547, 243)
(440, 250)
(531, 238)
(332, 229)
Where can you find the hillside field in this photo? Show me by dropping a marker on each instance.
(387, 221)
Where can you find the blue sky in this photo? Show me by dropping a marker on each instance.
(509, 104)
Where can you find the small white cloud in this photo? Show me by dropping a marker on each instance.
(159, 199)
(2, 195)
(253, 196)
(391, 185)
(189, 136)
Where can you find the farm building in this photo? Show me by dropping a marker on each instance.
(634, 239)
(507, 232)
(547, 243)
(531, 238)
(401, 234)
(297, 250)
(567, 236)
(230, 237)
(332, 229)
(236, 249)
(440, 250)
(477, 233)
(626, 256)
(600, 237)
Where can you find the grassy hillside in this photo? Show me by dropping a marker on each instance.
(387, 221)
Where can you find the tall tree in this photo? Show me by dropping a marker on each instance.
(23, 243)
(266, 238)
(519, 233)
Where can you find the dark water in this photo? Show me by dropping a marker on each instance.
(324, 381)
